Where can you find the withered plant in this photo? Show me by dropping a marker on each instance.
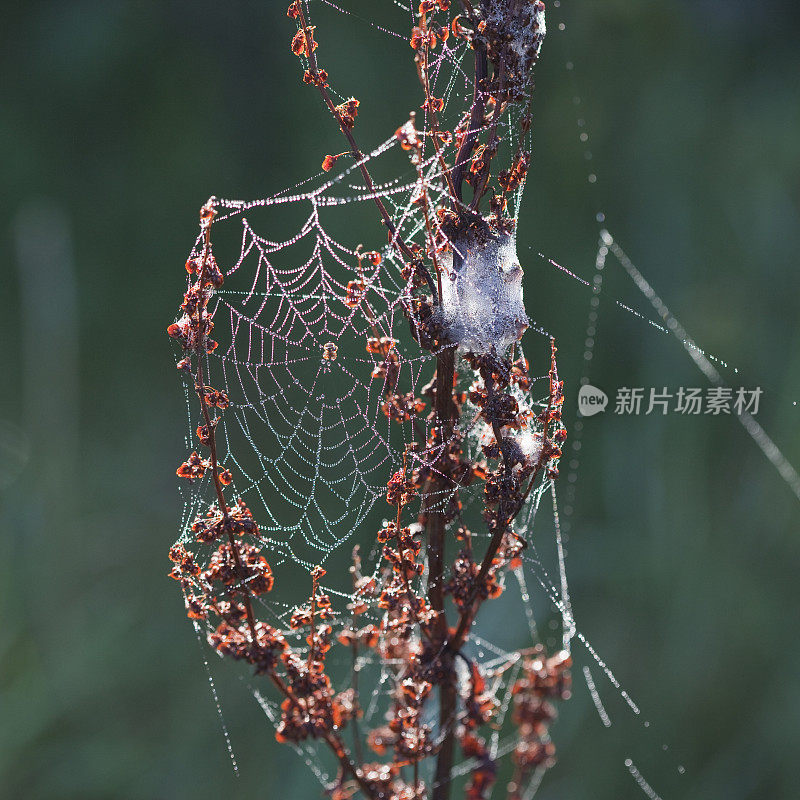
(416, 606)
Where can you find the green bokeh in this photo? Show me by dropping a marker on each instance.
(120, 118)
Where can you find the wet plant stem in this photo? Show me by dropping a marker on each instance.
(445, 413)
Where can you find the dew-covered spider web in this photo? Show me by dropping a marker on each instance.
(308, 312)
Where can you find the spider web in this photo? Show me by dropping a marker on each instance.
(306, 437)
(312, 444)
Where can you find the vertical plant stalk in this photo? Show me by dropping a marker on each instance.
(211, 426)
(445, 413)
(445, 409)
(471, 608)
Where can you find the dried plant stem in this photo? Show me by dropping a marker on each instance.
(471, 608)
(212, 431)
(448, 698)
(358, 156)
(475, 124)
(491, 147)
(354, 686)
(333, 740)
(414, 637)
(445, 372)
(401, 549)
(445, 413)
(199, 382)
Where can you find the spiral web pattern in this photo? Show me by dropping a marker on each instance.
(306, 437)
(311, 446)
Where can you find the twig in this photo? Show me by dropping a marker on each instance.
(475, 123)
(445, 412)
(358, 156)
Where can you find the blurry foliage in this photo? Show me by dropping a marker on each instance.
(120, 118)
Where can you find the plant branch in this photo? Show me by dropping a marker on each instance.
(475, 122)
(445, 413)
(331, 739)
(358, 156)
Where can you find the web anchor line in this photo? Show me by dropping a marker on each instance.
(754, 429)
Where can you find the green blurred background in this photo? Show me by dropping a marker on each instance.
(118, 119)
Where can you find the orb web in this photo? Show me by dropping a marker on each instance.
(305, 319)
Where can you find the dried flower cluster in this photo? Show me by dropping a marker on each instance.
(465, 306)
